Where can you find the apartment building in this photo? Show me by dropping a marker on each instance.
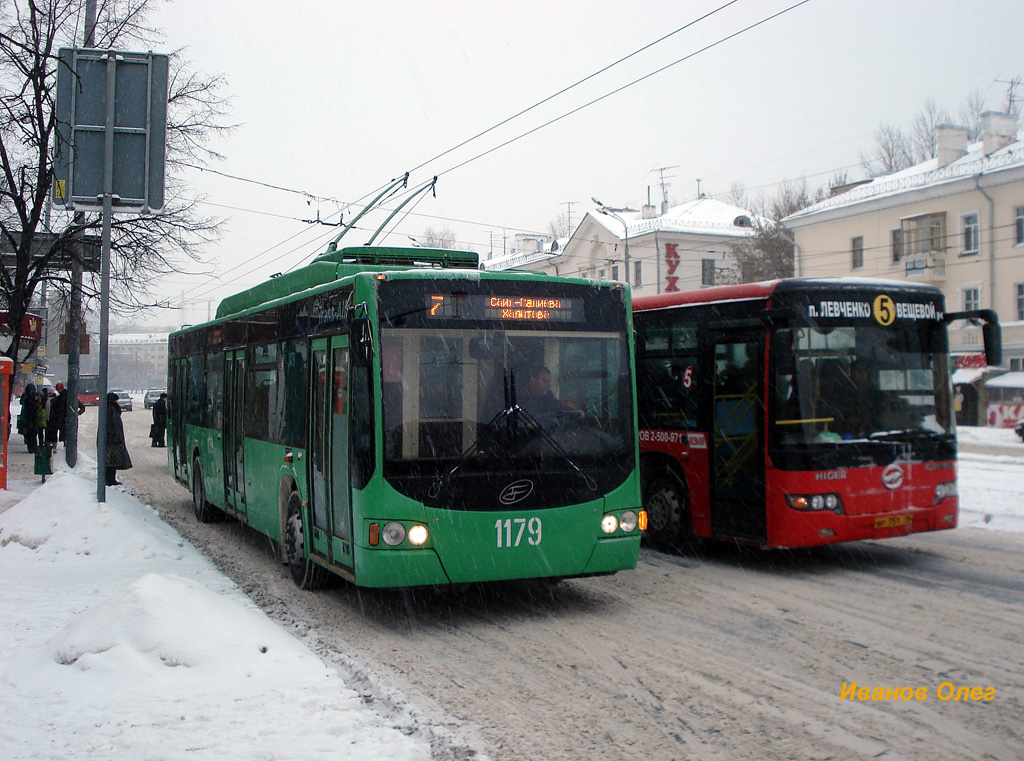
(956, 222)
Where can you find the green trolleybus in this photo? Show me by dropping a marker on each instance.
(400, 418)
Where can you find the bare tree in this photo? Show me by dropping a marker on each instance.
(924, 130)
(559, 226)
(439, 237)
(891, 153)
(737, 195)
(36, 237)
(970, 114)
(766, 255)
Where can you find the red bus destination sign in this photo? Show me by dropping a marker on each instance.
(883, 309)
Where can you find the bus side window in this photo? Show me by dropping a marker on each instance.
(667, 393)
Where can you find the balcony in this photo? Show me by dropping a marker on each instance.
(926, 268)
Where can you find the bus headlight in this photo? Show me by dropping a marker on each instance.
(393, 533)
(816, 502)
(945, 491)
(609, 523)
(417, 535)
(628, 521)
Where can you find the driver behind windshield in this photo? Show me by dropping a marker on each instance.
(538, 401)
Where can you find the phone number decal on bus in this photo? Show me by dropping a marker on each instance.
(511, 530)
(692, 440)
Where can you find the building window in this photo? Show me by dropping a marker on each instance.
(1016, 364)
(1018, 226)
(600, 274)
(972, 298)
(1020, 301)
(896, 245)
(707, 271)
(638, 279)
(615, 272)
(969, 234)
(925, 234)
(857, 252)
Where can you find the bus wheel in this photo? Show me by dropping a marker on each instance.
(205, 512)
(668, 510)
(305, 573)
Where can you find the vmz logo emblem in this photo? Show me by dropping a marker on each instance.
(516, 491)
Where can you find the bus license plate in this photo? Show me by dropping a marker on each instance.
(894, 521)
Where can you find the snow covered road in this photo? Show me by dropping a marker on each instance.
(723, 653)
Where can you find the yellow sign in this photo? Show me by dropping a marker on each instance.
(60, 189)
(884, 310)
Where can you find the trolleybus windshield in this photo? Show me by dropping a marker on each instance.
(487, 392)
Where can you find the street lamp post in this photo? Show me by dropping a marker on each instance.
(610, 212)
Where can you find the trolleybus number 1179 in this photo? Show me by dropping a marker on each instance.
(511, 530)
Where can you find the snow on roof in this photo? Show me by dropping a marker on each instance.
(706, 216)
(1007, 380)
(927, 174)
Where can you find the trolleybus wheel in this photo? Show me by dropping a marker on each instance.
(668, 510)
(205, 512)
(305, 573)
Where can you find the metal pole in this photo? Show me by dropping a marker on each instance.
(108, 202)
(75, 318)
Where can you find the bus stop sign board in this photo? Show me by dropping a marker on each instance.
(138, 130)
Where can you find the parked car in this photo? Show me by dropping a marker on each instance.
(152, 396)
(124, 399)
(1019, 428)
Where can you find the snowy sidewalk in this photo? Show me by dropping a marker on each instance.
(119, 641)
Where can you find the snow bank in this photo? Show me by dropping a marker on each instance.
(120, 641)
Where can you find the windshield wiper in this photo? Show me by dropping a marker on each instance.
(513, 415)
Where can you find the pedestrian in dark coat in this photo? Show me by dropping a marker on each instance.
(117, 451)
(57, 417)
(159, 421)
(27, 419)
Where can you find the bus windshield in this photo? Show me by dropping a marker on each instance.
(464, 404)
(860, 383)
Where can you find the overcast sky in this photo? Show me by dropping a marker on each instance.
(334, 99)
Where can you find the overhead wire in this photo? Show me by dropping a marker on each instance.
(550, 121)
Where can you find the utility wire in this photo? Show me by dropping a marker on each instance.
(556, 119)
(575, 84)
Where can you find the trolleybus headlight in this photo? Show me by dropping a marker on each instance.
(393, 533)
(627, 522)
(945, 491)
(417, 535)
(609, 523)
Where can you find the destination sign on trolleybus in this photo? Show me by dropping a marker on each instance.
(505, 307)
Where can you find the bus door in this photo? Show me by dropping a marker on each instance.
(330, 493)
(234, 429)
(176, 417)
(737, 462)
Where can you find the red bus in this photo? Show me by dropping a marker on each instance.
(89, 390)
(798, 412)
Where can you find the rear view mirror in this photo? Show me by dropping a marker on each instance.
(993, 338)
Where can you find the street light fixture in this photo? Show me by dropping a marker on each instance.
(612, 212)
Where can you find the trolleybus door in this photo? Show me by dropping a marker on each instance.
(234, 429)
(176, 417)
(737, 463)
(329, 452)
